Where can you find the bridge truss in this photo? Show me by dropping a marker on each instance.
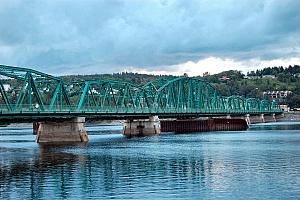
(33, 94)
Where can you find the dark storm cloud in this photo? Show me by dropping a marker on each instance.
(103, 36)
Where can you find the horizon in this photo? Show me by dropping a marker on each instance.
(201, 75)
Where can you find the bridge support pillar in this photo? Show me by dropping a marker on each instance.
(274, 117)
(70, 130)
(142, 127)
(262, 118)
(35, 127)
(255, 119)
(247, 119)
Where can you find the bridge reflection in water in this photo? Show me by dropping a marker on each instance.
(73, 175)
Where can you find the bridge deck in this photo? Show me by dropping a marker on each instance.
(45, 115)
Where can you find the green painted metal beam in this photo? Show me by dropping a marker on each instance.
(167, 95)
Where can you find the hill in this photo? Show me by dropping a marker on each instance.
(255, 84)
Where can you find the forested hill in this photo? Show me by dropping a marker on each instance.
(290, 70)
(134, 78)
(268, 79)
(228, 82)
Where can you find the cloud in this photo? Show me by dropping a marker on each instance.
(215, 65)
(107, 36)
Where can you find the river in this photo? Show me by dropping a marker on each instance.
(260, 163)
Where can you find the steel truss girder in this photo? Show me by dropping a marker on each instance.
(36, 92)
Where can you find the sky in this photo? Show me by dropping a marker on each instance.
(149, 36)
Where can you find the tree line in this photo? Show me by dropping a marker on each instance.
(290, 70)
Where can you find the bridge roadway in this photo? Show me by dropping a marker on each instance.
(31, 96)
(25, 117)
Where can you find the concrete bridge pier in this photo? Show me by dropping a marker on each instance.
(262, 118)
(142, 127)
(69, 130)
(254, 119)
(35, 127)
(247, 119)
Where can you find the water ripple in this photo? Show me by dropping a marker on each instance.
(254, 164)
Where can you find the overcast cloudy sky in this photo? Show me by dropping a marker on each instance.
(149, 36)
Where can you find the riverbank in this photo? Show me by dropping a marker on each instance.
(290, 116)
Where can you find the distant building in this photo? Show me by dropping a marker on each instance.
(224, 78)
(69, 87)
(295, 109)
(277, 94)
(258, 77)
(45, 89)
(6, 87)
(251, 77)
(114, 91)
(94, 91)
(269, 76)
(206, 74)
(284, 107)
(297, 75)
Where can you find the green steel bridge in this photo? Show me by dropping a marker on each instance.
(30, 95)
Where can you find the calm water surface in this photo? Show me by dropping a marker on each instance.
(261, 163)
